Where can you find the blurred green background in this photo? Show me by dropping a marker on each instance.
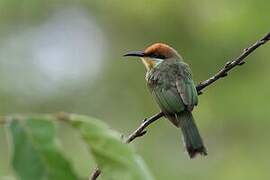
(66, 55)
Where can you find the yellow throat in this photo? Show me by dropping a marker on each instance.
(148, 63)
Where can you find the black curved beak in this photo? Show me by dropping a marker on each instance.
(135, 54)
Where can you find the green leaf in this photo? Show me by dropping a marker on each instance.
(35, 154)
(115, 159)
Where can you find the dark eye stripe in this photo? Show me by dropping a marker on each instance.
(157, 56)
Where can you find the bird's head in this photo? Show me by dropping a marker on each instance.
(155, 54)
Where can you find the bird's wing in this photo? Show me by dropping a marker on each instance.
(162, 86)
(168, 99)
(185, 85)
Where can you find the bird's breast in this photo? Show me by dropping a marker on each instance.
(160, 77)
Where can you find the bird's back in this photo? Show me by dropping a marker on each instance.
(164, 81)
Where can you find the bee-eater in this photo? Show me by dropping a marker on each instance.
(170, 82)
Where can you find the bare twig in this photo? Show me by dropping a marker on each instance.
(95, 174)
(231, 64)
(140, 131)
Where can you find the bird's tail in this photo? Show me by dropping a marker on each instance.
(192, 139)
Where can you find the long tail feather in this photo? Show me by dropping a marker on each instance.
(192, 139)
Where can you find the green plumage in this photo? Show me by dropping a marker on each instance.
(174, 90)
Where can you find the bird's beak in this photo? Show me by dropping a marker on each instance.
(135, 54)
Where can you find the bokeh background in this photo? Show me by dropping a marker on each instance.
(66, 55)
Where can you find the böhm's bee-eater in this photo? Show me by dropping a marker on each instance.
(170, 82)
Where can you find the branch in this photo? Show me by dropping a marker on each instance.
(95, 174)
(140, 131)
(231, 64)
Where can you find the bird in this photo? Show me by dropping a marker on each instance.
(170, 82)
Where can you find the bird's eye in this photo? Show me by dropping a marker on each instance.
(158, 56)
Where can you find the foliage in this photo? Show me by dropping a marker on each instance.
(36, 154)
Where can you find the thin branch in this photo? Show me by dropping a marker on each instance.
(231, 64)
(140, 131)
(95, 174)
